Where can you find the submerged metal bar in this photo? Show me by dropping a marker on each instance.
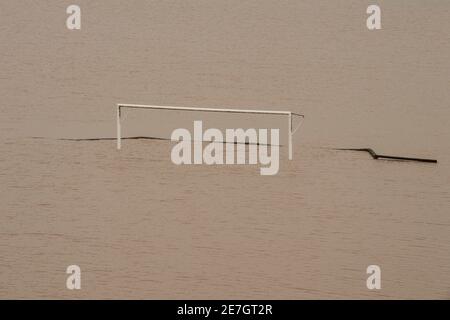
(381, 156)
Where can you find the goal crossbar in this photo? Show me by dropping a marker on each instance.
(289, 115)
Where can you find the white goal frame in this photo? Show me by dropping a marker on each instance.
(289, 115)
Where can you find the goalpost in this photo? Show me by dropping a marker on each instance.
(289, 115)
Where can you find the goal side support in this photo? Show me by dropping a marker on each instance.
(289, 115)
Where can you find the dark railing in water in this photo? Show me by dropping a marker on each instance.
(382, 156)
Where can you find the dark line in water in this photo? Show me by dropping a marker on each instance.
(381, 156)
(146, 138)
(101, 139)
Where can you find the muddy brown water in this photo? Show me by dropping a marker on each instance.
(141, 227)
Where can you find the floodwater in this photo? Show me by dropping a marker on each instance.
(141, 227)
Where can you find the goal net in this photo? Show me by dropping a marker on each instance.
(133, 120)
